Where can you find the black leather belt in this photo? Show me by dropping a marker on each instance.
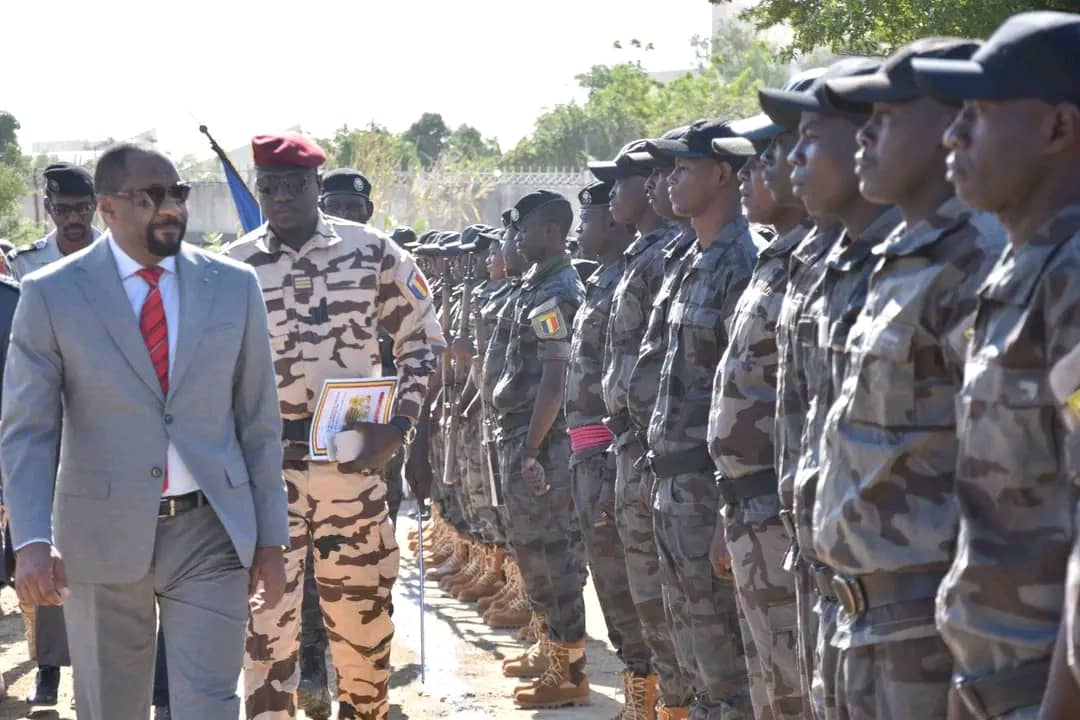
(296, 431)
(618, 424)
(685, 461)
(179, 504)
(858, 594)
(758, 484)
(996, 694)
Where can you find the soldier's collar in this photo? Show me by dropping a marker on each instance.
(847, 255)
(735, 229)
(786, 243)
(1019, 270)
(645, 241)
(904, 241)
(541, 270)
(324, 236)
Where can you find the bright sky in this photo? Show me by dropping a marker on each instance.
(73, 69)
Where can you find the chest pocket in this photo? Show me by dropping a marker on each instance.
(882, 392)
(349, 294)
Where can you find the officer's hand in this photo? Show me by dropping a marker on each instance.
(267, 585)
(719, 555)
(605, 506)
(39, 575)
(533, 473)
(371, 445)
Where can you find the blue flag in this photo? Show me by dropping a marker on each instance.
(246, 206)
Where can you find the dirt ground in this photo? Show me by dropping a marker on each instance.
(463, 657)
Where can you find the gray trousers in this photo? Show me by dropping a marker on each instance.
(199, 587)
(50, 636)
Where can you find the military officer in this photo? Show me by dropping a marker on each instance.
(69, 203)
(328, 283)
(999, 606)
(536, 450)
(346, 193)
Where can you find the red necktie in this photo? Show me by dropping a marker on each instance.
(155, 332)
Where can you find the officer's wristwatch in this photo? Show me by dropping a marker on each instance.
(406, 426)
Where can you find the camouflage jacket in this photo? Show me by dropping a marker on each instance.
(498, 311)
(325, 304)
(630, 307)
(885, 498)
(551, 293)
(712, 280)
(822, 332)
(806, 265)
(744, 389)
(584, 397)
(1000, 604)
(644, 381)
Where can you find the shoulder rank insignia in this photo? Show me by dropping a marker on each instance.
(547, 321)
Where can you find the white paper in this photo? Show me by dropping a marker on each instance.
(343, 402)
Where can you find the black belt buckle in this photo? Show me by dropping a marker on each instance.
(170, 507)
(850, 594)
(965, 688)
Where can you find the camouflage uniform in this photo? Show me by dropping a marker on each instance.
(884, 514)
(686, 499)
(498, 316)
(823, 330)
(805, 268)
(324, 303)
(999, 606)
(638, 321)
(593, 468)
(542, 529)
(741, 443)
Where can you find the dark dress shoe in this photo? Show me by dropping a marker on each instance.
(46, 686)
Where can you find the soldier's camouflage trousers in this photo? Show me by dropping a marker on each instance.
(826, 661)
(633, 515)
(685, 517)
(356, 564)
(767, 597)
(484, 518)
(589, 474)
(445, 495)
(894, 680)
(545, 536)
(490, 476)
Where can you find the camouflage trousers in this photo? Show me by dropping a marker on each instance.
(589, 474)
(476, 484)
(545, 536)
(757, 546)
(894, 680)
(704, 607)
(356, 564)
(826, 660)
(490, 475)
(633, 515)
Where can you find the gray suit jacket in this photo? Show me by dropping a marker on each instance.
(77, 354)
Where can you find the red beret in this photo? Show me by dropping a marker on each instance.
(286, 151)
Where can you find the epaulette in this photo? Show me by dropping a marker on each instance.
(39, 244)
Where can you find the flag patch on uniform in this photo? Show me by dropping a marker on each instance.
(548, 324)
(417, 286)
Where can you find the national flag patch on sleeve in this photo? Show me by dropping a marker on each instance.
(548, 322)
(417, 286)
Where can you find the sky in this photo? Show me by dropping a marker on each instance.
(74, 70)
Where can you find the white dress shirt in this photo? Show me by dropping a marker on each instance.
(181, 480)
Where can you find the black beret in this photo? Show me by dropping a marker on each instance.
(403, 236)
(67, 179)
(597, 194)
(346, 180)
(533, 201)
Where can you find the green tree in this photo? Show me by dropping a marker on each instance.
(879, 26)
(467, 143)
(15, 171)
(428, 135)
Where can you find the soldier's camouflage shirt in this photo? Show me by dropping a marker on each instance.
(712, 280)
(822, 332)
(744, 388)
(584, 397)
(498, 311)
(645, 377)
(325, 304)
(551, 293)
(805, 268)
(630, 306)
(885, 499)
(1000, 604)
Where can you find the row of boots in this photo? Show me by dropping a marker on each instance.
(552, 673)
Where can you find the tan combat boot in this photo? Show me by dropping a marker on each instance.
(443, 548)
(490, 581)
(672, 712)
(641, 693)
(515, 614)
(451, 565)
(533, 662)
(483, 558)
(502, 597)
(472, 556)
(563, 683)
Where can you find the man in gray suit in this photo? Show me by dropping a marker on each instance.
(155, 356)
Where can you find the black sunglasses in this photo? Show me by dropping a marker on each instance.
(157, 193)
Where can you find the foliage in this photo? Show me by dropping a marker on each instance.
(428, 135)
(879, 26)
(15, 172)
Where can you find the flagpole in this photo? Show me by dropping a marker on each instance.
(224, 157)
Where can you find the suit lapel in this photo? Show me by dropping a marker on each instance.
(100, 283)
(196, 282)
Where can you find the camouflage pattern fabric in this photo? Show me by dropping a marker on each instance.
(741, 443)
(584, 395)
(999, 606)
(889, 681)
(325, 304)
(685, 508)
(885, 499)
(356, 564)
